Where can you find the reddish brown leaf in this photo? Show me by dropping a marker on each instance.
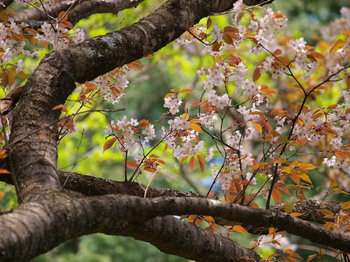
(150, 169)
(109, 143)
(62, 16)
(208, 23)
(256, 74)
(277, 195)
(192, 163)
(131, 163)
(60, 107)
(3, 16)
(196, 128)
(276, 111)
(277, 52)
(196, 103)
(227, 39)
(186, 90)
(337, 45)
(340, 155)
(4, 171)
(240, 229)
(201, 162)
(345, 205)
(258, 128)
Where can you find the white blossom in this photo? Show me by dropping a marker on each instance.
(173, 102)
(218, 101)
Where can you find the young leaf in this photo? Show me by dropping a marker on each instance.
(131, 163)
(256, 74)
(227, 39)
(201, 162)
(150, 169)
(209, 219)
(63, 16)
(3, 16)
(289, 207)
(345, 205)
(276, 111)
(192, 163)
(185, 116)
(267, 90)
(11, 78)
(340, 155)
(196, 128)
(61, 106)
(22, 75)
(277, 52)
(109, 143)
(196, 103)
(337, 45)
(208, 23)
(305, 177)
(186, 90)
(4, 171)
(296, 214)
(277, 195)
(258, 128)
(240, 229)
(3, 153)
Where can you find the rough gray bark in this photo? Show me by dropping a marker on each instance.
(76, 10)
(49, 215)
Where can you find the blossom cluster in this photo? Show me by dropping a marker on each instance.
(113, 84)
(173, 101)
(58, 35)
(132, 134)
(338, 26)
(184, 144)
(11, 41)
(67, 126)
(236, 166)
(267, 28)
(181, 138)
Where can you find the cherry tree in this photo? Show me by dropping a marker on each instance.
(262, 108)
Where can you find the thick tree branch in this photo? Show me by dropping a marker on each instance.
(88, 8)
(38, 14)
(28, 228)
(78, 10)
(4, 4)
(94, 186)
(249, 216)
(195, 243)
(125, 215)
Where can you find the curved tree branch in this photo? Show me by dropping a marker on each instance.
(125, 215)
(94, 186)
(28, 228)
(4, 4)
(78, 10)
(88, 8)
